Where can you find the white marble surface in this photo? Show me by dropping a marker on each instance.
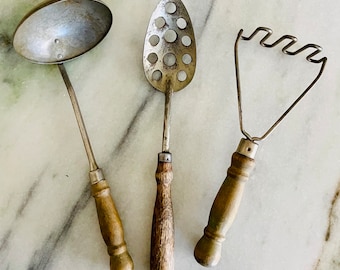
(289, 216)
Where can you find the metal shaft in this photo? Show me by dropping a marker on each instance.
(167, 118)
(80, 121)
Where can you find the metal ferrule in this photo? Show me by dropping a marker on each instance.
(165, 157)
(247, 148)
(96, 176)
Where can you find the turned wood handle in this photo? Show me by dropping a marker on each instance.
(111, 227)
(162, 236)
(224, 209)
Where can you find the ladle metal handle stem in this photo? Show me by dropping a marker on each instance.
(109, 221)
(80, 121)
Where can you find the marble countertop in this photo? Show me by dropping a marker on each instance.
(289, 215)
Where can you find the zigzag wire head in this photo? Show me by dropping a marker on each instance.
(293, 40)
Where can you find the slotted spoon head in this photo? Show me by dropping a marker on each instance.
(169, 56)
(60, 30)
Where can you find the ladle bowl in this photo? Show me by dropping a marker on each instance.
(52, 33)
(60, 30)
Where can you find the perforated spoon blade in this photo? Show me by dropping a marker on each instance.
(169, 61)
(170, 47)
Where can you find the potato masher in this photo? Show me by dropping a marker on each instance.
(224, 209)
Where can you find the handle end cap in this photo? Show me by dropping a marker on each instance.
(208, 251)
(122, 261)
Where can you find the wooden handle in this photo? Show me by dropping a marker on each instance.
(162, 236)
(111, 227)
(224, 209)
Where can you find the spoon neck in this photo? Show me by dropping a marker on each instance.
(167, 118)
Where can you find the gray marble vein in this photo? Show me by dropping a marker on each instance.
(201, 23)
(43, 257)
(210, 11)
(129, 132)
(331, 237)
(5, 240)
(332, 214)
(26, 200)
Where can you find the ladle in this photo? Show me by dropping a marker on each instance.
(52, 33)
(169, 61)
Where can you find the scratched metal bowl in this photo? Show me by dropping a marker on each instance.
(60, 30)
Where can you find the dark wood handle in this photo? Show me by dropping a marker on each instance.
(162, 236)
(223, 211)
(111, 227)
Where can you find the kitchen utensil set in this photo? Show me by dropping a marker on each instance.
(60, 30)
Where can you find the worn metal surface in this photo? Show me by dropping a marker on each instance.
(169, 56)
(170, 47)
(57, 31)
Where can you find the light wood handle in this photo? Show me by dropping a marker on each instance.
(162, 236)
(224, 209)
(111, 227)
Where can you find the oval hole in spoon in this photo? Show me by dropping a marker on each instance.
(181, 23)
